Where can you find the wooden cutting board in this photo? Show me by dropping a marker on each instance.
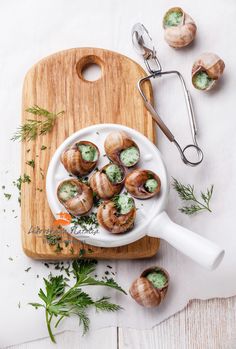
(56, 83)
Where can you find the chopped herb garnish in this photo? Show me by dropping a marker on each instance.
(43, 147)
(82, 252)
(58, 248)
(52, 239)
(28, 269)
(88, 222)
(31, 163)
(18, 183)
(7, 196)
(10, 259)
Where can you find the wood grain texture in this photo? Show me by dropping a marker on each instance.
(201, 325)
(56, 83)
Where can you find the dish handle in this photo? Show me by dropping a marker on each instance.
(198, 248)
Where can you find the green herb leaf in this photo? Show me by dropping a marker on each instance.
(186, 193)
(32, 128)
(61, 300)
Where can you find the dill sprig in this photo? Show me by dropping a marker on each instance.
(186, 193)
(32, 128)
(60, 300)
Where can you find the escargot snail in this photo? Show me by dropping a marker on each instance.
(150, 288)
(117, 215)
(143, 184)
(75, 196)
(206, 70)
(121, 149)
(180, 29)
(81, 158)
(108, 181)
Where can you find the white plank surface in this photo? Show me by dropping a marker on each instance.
(201, 325)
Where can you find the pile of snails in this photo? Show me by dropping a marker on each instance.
(117, 211)
(180, 31)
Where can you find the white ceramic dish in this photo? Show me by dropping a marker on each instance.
(151, 218)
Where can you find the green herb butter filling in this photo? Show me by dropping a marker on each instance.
(157, 278)
(201, 80)
(67, 191)
(173, 18)
(151, 185)
(124, 203)
(129, 156)
(88, 152)
(114, 173)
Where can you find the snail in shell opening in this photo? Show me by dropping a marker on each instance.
(80, 158)
(75, 196)
(117, 215)
(121, 149)
(150, 288)
(179, 28)
(108, 181)
(206, 70)
(143, 184)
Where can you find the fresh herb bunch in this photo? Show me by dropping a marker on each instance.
(61, 300)
(32, 128)
(186, 193)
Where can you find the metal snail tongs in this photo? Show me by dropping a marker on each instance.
(143, 44)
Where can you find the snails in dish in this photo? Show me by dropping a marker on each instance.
(75, 196)
(150, 288)
(121, 149)
(117, 215)
(180, 28)
(143, 184)
(108, 181)
(206, 70)
(81, 158)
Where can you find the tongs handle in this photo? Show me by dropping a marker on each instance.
(166, 130)
(154, 113)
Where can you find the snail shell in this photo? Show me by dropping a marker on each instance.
(182, 31)
(108, 217)
(143, 184)
(116, 143)
(104, 187)
(74, 162)
(210, 64)
(75, 196)
(145, 293)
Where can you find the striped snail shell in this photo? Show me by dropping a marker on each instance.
(118, 215)
(149, 291)
(80, 158)
(179, 28)
(121, 149)
(75, 196)
(206, 70)
(143, 184)
(108, 181)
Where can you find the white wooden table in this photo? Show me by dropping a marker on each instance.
(201, 325)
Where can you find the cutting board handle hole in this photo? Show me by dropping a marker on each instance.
(89, 68)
